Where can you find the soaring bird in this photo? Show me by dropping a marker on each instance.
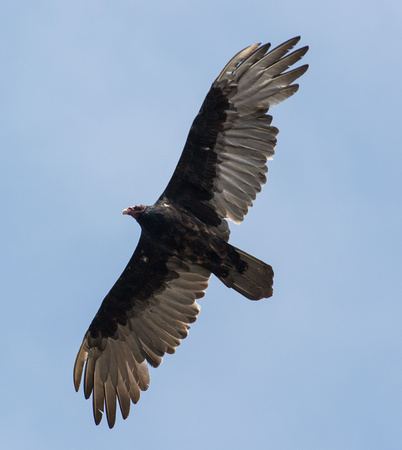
(184, 235)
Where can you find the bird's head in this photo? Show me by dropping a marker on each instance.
(135, 211)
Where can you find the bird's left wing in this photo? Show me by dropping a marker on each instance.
(223, 164)
(144, 316)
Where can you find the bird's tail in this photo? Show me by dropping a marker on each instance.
(249, 276)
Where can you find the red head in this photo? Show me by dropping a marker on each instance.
(135, 211)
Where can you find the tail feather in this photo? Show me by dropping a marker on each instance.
(255, 282)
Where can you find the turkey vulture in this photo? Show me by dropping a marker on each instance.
(184, 236)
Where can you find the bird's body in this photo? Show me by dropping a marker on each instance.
(185, 234)
(178, 232)
(181, 234)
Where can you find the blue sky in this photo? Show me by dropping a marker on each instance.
(96, 101)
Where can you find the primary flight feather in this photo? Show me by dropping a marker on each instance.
(185, 234)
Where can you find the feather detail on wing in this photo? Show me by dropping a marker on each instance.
(116, 361)
(223, 164)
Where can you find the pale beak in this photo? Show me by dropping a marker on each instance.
(125, 212)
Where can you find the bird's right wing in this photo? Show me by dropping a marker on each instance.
(144, 316)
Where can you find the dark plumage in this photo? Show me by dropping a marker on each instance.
(185, 235)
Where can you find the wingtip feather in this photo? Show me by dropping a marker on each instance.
(79, 365)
